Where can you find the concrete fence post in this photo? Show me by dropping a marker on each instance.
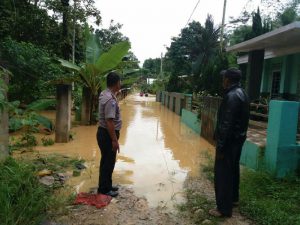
(63, 113)
(188, 101)
(282, 151)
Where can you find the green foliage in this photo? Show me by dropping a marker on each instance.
(159, 85)
(56, 163)
(192, 58)
(92, 51)
(268, 200)
(23, 199)
(197, 207)
(29, 118)
(152, 67)
(111, 59)
(31, 67)
(29, 21)
(288, 16)
(261, 195)
(128, 82)
(47, 141)
(92, 74)
(109, 37)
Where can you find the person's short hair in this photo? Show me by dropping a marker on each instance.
(233, 74)
(112, 79)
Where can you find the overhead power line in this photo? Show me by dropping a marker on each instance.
(193, 13)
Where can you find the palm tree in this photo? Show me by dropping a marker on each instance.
(93, 71)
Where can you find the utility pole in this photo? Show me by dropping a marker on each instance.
(74, 38)
(223, 24)
(74, 32)
(161, 64)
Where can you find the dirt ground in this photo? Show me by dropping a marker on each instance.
(126, 209)
(204, 187)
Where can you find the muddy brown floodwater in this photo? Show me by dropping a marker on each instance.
(158, 152)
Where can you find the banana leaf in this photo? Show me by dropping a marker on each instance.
(69, 65)
(45, 123)
(15, 124)
(92, 51)
(111, 59)
(41, 104)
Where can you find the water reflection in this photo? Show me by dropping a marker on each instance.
(157, 152)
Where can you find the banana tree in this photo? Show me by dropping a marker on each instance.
(93, 72)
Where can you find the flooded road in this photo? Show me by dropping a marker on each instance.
(158, 152)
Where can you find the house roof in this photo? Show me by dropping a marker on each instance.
(284, 40)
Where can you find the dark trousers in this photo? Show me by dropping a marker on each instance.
(108, 160)
(227, 176)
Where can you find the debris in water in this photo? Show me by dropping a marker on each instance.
(80, 166)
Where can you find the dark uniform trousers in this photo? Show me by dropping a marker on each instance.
(227, 175)
(108, 160)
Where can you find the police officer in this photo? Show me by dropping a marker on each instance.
(230, 134)
(110, 124)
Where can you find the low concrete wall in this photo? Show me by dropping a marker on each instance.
(282, 151)
(252, 156)
(191, 120)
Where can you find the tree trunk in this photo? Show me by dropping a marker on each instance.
(4, 130)
(86, 106)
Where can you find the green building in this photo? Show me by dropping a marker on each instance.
(272, 61)
(272, 65)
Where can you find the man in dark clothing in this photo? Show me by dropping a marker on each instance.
(110, 124)
(230, 134)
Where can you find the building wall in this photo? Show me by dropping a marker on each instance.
(289, 66)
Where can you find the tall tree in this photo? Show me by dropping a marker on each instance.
(110, 36)
(152, 67)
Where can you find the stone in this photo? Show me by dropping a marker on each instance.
(80, 166)
(47, 180)
(199, 211)
(144, 216)
(44, 172)
(50, 223)
(63, 177)
(206, 222)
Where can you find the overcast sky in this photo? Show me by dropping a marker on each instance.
(150, 24)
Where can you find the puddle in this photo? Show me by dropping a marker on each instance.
(157, 152)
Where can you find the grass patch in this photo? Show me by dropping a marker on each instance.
(23, 199)
(47, 141)
(56, 163)
(197, 207)
(268, 200)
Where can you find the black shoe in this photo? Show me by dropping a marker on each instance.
(112, 193)
(114, 188)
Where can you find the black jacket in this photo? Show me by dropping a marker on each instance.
(233, 117)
